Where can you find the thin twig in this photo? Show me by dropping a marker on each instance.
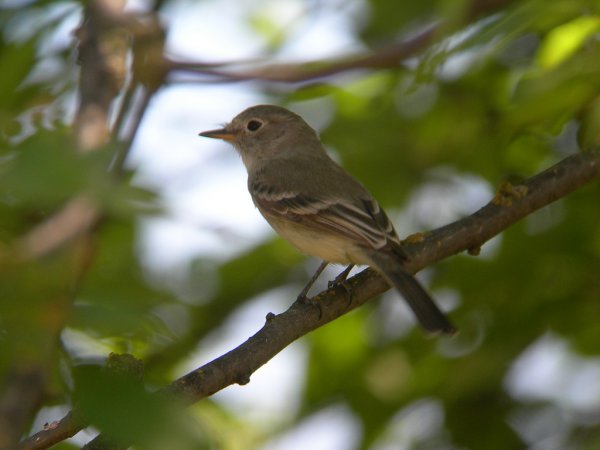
(54, 433)
(124, 145)
(292, 73)
(387, 57)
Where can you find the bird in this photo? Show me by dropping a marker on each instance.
(318, 207)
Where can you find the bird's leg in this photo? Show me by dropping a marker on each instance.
(320, 269)
(340, 280)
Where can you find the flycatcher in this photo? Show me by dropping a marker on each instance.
(317, 206)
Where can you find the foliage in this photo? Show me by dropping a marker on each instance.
(499, 97)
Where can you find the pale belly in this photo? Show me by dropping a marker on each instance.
(322, 245)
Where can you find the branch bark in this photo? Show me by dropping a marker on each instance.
(510, 204)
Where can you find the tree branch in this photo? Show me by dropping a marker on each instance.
(510, 204)
(291, 73)
(385, 57)
(54, 433)
(22, 394)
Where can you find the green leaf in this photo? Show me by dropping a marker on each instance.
(565, 40)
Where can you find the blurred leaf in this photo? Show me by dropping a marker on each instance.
(589, 132)
(20, 58)
(44, 170)
(146, 419)
(115, 299)
(565, 40)
(387, 19)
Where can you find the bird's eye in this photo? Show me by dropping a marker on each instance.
(254, 125)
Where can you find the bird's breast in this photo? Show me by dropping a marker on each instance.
(318, 243)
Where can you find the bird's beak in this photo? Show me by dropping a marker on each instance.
(222, 133)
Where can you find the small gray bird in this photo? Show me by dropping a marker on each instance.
(317, 206)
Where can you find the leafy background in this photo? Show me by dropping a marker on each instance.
(500, 98)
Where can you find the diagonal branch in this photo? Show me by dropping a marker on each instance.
(54, 433)
(511, 204)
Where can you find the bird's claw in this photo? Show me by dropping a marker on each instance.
(343, 284)
(341, 280)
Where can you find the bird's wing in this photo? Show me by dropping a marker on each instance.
(362, 221)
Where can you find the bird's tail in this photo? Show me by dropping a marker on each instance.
(428, 314)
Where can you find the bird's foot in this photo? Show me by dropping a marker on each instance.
(341, 280)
